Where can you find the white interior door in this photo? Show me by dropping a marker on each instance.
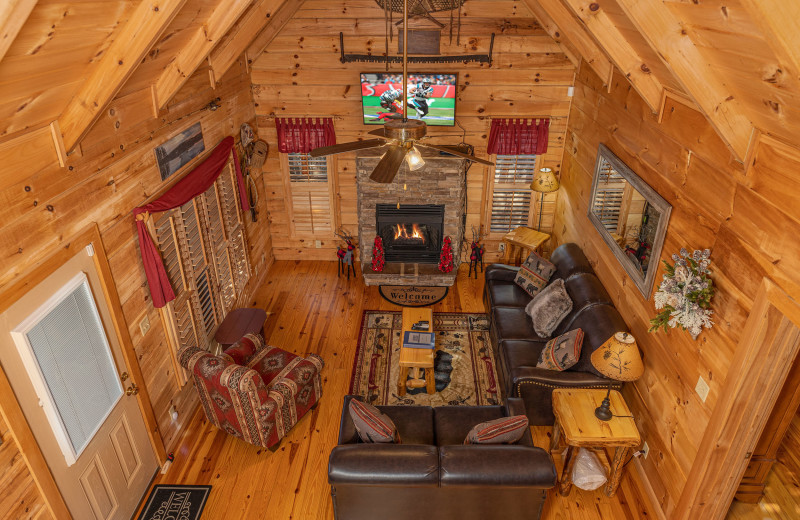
(65, 364)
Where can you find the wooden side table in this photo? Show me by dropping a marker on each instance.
(416, 359)
(576, 423)
(521, 242)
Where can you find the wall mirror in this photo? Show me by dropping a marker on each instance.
(630, 216)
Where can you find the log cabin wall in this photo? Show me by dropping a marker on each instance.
(300, 75)
(746, 214)
(43, 205)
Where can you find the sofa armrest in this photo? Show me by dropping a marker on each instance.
(384, 465)
(496, 465)
(502, 272)
(243, 350)
(556, 379)
(514, 406)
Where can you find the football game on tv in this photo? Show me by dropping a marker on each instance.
(431, 97)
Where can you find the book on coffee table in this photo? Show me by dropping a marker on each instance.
(413, 339)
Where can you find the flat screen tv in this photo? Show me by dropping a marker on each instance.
(431, 97)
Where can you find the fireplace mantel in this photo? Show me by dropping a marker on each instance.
(441, 181)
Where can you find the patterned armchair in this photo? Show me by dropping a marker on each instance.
(253, 391)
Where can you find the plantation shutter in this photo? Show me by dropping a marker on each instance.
(607, 203)
(203, 246)
(511, 194)
(310, 194)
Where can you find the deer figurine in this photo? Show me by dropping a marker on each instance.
(345, 253)
(476, 255)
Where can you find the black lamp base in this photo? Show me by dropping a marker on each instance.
(603, 412)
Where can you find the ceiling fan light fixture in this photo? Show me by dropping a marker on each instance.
(414, 159)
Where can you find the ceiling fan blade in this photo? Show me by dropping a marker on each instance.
(452, 151)
(378, 132)
(389, 164)
(346, 147)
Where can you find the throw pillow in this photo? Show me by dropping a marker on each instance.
(506, 430)
(534, 274)
(371, 424)
(562, 352)
(548, 308)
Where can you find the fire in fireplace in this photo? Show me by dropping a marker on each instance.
(412, 233)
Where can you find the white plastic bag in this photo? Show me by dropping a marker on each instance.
(588, 473)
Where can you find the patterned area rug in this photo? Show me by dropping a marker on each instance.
(464, 364)
(183, 502)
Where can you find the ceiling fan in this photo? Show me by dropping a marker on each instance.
(399, 137)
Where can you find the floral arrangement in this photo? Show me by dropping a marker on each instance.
(446, 258)
(378, 259)
(684, 295)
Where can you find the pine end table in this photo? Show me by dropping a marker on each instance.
(576, 423)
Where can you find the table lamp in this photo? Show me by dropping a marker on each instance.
(544, 181)
(618, 358)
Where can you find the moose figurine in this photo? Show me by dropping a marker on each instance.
(476, 255)
(345, 253)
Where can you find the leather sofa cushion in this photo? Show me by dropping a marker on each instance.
(585, 288)
(414, 423)
(498, 465)
(512, 323)
(384, 465)
(569, 259)
(521, 353)
(506, 294)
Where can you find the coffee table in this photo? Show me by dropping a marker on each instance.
(417, 359)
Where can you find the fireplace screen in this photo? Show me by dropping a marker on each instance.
(412, 233)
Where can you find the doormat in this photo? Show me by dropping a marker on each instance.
(184, 502)
(464, 366)
(412, 295)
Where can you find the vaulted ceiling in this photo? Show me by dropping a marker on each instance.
(63, 61)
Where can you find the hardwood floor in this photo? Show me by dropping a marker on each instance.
(311, 310)
(781, 497)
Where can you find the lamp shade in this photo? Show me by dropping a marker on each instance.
(618, 358)
(545, 181)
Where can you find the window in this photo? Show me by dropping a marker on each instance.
(608, 198)
(511, 192)
(205, 256)
(311, 210)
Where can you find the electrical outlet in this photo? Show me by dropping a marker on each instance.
(144, 325)
(702, 388)
(317, 243)
(645, 450)
(502, 247)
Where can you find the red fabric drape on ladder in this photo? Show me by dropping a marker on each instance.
(301, 135)
(193, 184)
(518, 137)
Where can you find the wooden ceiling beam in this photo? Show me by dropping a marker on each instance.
(131, 44)
(779, 22)
(696, 75)
(619, 49)
(191, 55)
(268, 33)
(241, 36)
(563, 19)
(13, 15)
(549, 25)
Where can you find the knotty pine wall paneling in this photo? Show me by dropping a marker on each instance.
(300, 75)
(42, 205)
(744, 214)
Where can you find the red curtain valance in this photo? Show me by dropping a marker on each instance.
(518, 137)
(301, 135)
(195, 183)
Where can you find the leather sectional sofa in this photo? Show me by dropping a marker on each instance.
(431, 474)
(517, 346)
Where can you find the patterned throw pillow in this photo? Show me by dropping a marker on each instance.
(534, 274)
(371, 424)
(562, 352)
(549, 307)
(506, 430)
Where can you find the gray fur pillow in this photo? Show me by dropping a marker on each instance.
(548, 308)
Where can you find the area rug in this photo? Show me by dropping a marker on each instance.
(184, 502)
(464, 363)
(412, 295)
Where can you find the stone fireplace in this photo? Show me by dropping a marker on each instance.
(412, 214)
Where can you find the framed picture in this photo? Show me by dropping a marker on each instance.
(179, 150)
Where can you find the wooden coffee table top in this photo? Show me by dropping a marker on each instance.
(574, 411)
(416, 357)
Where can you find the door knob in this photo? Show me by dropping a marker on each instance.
(132, 390)
(123, 376)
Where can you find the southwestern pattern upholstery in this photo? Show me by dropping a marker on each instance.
(253, 391)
